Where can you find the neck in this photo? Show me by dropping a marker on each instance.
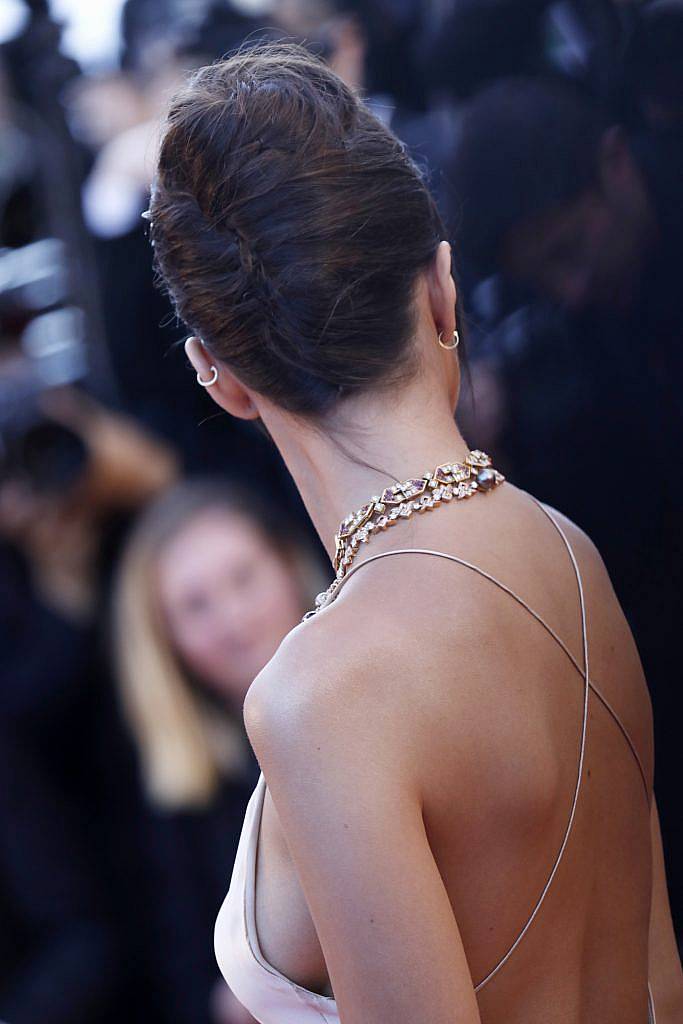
(361, 449)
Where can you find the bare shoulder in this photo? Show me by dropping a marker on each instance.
(523, 507)
(369, 679)
(412, 642)
(340, 774)
(578, 538)
(590, 562)
(612, 642)
(367, 645)
(336, 687)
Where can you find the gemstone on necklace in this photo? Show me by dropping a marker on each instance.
(392, 495)
(442, 474)
(356, 519)
(460, 472)
(486, 478)
(446, 482)
(411, 488)
(478, 458)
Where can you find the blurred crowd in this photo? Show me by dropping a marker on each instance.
(154, 553)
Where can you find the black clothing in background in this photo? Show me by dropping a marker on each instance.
(595, 427)
(190, 856)
(57, 950)
(70, 880)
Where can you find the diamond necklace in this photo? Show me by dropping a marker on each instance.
(399, 501)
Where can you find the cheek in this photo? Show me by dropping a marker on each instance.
(192, 636)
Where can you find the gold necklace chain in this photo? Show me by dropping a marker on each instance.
(452, 480)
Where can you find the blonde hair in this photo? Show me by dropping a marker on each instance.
(185, 745)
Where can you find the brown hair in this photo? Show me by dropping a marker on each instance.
(290, 225)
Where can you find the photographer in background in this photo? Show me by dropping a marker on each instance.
(72, 475)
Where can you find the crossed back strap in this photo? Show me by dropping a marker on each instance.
(588, 685)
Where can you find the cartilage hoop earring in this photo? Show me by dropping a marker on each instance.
(212, 380)
(455, 343)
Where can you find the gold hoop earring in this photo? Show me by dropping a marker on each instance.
(456, 340)
(212, 379)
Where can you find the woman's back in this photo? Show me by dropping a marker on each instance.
(421, 735)
(496, 709)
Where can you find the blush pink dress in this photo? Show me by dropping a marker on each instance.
(273, 998)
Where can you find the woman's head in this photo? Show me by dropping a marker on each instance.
(291, 226)
(209, 583)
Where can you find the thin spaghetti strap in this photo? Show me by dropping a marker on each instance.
(651, 1014)
(539, 618)
(584, 672)
(603, 699)
(584, 723)
(588, 685)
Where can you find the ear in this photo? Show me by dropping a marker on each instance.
(442, 290)
(227, 391)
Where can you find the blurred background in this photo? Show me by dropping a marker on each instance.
(144, 580)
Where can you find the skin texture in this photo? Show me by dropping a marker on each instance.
(419, 738)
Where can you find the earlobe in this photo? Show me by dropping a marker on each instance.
(235, 398)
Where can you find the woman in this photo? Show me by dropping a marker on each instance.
(415, 848)
(209, 583)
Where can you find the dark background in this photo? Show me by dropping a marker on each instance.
(552, 135)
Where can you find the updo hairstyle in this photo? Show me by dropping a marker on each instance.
(290, 225)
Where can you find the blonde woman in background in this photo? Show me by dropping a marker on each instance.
(208, 585)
